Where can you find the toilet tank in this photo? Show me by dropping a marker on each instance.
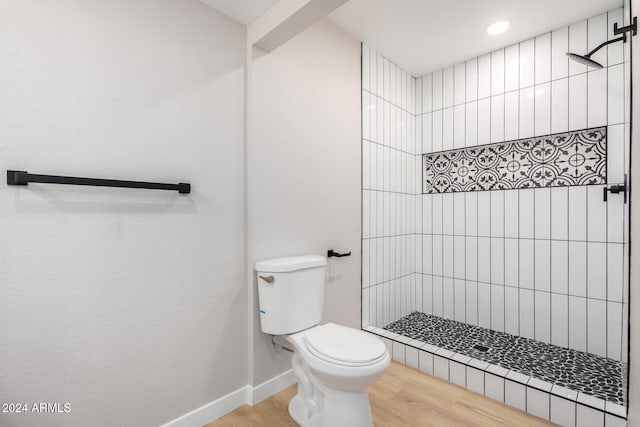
(290, 293)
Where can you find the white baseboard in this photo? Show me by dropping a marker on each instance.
(212, 410)
(246, 395)
(271, 387)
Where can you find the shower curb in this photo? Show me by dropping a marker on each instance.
(540, 398)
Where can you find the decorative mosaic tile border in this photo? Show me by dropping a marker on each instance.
(590, 374)
(540, 398)
(558, 160)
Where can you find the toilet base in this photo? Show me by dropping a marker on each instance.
(346, 409)
(298, 413)
(336, 409)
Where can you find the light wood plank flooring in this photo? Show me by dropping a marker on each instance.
(401, 397)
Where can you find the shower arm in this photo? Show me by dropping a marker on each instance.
(603, 44)
(633, 28)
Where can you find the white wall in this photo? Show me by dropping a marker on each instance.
(128, 304)
(304, 169)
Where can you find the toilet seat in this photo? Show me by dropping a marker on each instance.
(344, 346)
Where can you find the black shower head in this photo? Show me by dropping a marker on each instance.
(584, 59)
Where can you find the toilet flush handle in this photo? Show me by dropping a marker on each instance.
(268, 279)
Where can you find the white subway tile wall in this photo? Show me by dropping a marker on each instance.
(392, 287)
(547, 263)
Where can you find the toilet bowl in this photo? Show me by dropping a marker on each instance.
(334, 364)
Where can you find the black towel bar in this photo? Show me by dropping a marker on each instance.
(24, 178)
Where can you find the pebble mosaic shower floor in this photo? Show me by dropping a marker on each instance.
(576, 370)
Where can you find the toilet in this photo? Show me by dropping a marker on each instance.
(334, 364)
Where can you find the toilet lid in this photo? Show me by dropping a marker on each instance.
(342, 344)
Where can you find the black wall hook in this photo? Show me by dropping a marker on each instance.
(331, 254)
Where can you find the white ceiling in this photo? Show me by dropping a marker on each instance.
(425, 35)
(244, 11)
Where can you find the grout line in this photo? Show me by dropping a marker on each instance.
(550, 197)
(568, 334)
(603, 128)
(504, 134)
(520, 88)
(606, 209)
(477, 198)
(477, 261)
(387, 141)
(534, 198)
(489, 283)
(519, 268)
(519, 135)
(491, 308)
(487, 236)
(587, 216)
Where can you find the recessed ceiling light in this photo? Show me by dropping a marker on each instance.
(498, 27)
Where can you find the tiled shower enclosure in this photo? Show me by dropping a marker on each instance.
(483, 213)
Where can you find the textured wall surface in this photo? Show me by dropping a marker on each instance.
(128, 304)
